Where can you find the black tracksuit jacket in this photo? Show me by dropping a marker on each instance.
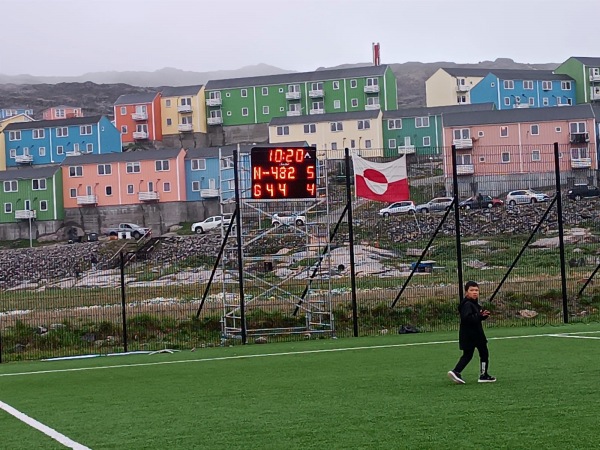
(471, 332)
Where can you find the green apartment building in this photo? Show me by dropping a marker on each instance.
(32, 193)
(586, 73)
(257, 100)
(419, 130)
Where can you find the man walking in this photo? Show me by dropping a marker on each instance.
(471, 335)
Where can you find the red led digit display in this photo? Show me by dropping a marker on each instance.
(282, 172)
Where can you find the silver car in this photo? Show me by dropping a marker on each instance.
(435, 204)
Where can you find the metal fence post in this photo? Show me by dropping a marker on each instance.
(351, 239)
(123, 303)
(457, 225)
(240, 259)
(561, 235)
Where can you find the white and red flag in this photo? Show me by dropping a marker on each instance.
(384, 182)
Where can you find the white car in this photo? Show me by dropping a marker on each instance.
(289, 219)
(406, 206)
(210, 223)
(525, 196)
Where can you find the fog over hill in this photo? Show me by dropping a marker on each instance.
(96, 92)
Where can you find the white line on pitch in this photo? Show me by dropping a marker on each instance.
(261, 355)
(64, 440)
(574, 336)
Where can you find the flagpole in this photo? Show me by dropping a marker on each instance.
(351, 242)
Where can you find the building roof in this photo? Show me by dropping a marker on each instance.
(596, 109)
(436, 110)
(136, 99)
(332, 117)
(53, 123)
(27, 117)
(517, 115)
(319, 75)
(61, 106)
(139, 155)
(176, 91)
(28, 173)
(507, 74)
(465, 71)
(588, 61)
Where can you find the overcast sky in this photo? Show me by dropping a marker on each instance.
(73, 37)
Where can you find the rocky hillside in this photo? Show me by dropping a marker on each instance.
(99, 98)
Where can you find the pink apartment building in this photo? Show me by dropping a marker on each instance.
(499, 151)
(128, 178)
(61, 112)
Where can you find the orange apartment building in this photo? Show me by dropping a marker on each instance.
(138, 118)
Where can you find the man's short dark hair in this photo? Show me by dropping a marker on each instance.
(470, 284)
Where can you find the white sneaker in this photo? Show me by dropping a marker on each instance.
(455, 377)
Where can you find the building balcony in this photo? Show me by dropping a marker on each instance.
(139, 116)
(372, 89)
(23, 159)
(293, 95)
(372, 107)
(526, 105)
(579, 138)
(595, 93)
(581, 163)
(140, 135)
(295, 112)
(462, 88)
(214, 120)
(595, 77)
(316, 93)
(214, 102)
(185, 127)
(25, 214)
(316, 111)
(73, 153)
(463, 144)
(209, 193)
(406, 149)
(148, 196)
(87, 200)
(184, 109)
(465, 169)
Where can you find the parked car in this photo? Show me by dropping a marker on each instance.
(288, 219)
(580, 191)
(476, 202)
(435, 204)
(211, 223)
(406, 206)
(135, 230)
(525, 196)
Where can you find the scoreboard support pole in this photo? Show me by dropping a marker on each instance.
(351, 238)
(240, 259)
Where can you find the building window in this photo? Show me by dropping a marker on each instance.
(461, 99)
(281, 90)
(108, 190)
(531, 101)
(198, 164)
(162, 165)
(337, 104)
(503, 131)
(281, 108)
(367, 143)
(354, 102)
(364, 124)
(60, 150)
(227, 162)
(310, 128)
(577, 127)
(336, 126)
(75, 171)
(353, 83)
(318, 106)
(394, 124)
(166, 186)
(14, 135)
(132, 167)
(43, 205)
(579, 153)
(265, 110)
(62, 132)
(104, 169)
(73, 193)
(535, 130)
(336, 85)
(528, 85)
(392, 143)
(509, 84)
(283, 131)
(482, 159)
(535, 155)
(557, 129)
(169, 122)
(480, 134)
(123, 129)
(426, 141)
(11, 186)
(462, 133)
(38, 184)
(8, 208)
(85, 129)
(507, 101)
(421, 122)
(38, 134)
(352, 143)
(89, 148)
(244, 92)
(130, 188)
(123, 110)
(505, 157)
(168, 103)
(42, 151)
(244, 112)
(195, 186)
(317, 86)
(334, 146)
(565, 85)
(547, 85)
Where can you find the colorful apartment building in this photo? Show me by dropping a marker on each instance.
(31, 193)
(61, 112)
(452, 86)
(7, 113)
(585, 72)
(127, 178)
(51, 141)
(183, 110)
(360, 131)
(419, 130)
(138, 117)
(498, 151)
(3, 123)
(258, 100)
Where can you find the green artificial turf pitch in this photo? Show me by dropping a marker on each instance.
(373, 392)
